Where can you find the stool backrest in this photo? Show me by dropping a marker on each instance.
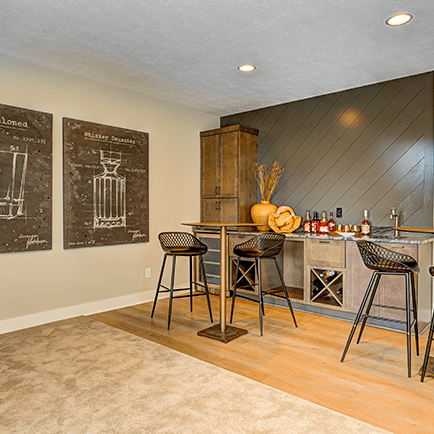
(171, 240)
(271, 244)
(377, 257)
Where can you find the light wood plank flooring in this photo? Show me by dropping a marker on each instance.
(371, 385)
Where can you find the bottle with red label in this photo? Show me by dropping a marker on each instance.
(315, 224)
(366, 225)
(307, 225)
(331, 223)
(323, 224)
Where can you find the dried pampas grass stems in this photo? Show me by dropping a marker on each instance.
(268, 176)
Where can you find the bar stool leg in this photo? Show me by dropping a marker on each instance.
(158, 286)
(358, 316)
(416, 324)
(206, 287)
(262, 295)
(235, 289)
(368, 309)
(191, 282)
(427, 350)
(172, 283)
(286, 291)
(408, 322)
(261, 302)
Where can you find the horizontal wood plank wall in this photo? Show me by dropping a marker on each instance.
(364, 148)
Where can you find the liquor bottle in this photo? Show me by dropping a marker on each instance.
(331, 223)
(307, 225)
(323, 225)
(366, 225)
(315, 224)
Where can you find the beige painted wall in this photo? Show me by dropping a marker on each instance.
(37, 282)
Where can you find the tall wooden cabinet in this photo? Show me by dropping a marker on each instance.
(228, 184)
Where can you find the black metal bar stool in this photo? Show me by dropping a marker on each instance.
(181, 244)
(386, 262)
(429, 341)
(264, 246)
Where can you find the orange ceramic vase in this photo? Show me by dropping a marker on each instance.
(259, 214)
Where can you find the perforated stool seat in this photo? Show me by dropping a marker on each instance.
(429, 341)
(387, 262)
(264, 246)
(181, 244)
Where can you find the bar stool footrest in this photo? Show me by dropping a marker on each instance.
(382, 318)
(385, 306)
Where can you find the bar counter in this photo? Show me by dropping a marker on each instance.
(306, 259)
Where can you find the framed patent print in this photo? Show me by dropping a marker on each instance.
(105, 185)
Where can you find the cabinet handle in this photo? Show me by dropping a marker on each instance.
(216, 190)
(216, 206)
(324, 242)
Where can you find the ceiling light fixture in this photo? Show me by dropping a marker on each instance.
(399, 19)
(246, 68)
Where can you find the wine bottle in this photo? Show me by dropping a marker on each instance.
(317, 286)
(328, 275)
(331, 223)
(307, 225)
(323, 225)
(315, 224)
(366, 225)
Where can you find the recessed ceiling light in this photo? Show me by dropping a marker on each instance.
(246, 68)
(399, 19)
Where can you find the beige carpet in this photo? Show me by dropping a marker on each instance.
(82, 376)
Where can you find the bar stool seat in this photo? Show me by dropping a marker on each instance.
(385, 262)
(264, 246)
(186, 245)
(429, 341)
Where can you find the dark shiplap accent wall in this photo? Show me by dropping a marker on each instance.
(364, 148)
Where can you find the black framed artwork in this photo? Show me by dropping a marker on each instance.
(25, 179)
(105, 185)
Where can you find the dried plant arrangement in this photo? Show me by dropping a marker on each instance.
(268, 176)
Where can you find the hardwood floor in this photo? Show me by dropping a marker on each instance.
(371, 385)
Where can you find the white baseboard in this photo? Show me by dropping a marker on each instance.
(23, 322)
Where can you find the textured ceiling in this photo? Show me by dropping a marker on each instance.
(187, 51)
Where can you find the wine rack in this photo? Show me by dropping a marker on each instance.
(326, 287)
(246, 278)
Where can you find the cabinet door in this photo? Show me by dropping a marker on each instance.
(228, 209)
(391, 290)
(358, 276)
(229, 164)
(210, 210)
(394, 294)
(219, 210)
(210, 165)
